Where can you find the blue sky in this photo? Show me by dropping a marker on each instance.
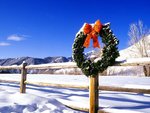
(41, 28)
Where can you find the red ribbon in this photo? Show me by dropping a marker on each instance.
(92, 33)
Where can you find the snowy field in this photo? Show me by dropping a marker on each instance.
(39, 99)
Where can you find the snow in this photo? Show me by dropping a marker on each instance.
(139, 60)
(121, 81)
(134, 60)
(13, 101)
(129, 70)
(40, 99)
(133, 52)
(126, 71)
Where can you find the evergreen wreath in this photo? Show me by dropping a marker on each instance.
(109, 52)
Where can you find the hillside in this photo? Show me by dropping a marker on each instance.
(133, 52)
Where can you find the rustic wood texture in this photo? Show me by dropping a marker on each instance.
(122, 89)
(93, 94)
(70, 65)
(73, 65)
(11, 81)
(53, 66)
(10, 67)
(57, 85)
(106, 88)
(83, 87)
(131, 64)
(23, 78)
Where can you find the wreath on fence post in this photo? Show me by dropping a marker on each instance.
(109, 52)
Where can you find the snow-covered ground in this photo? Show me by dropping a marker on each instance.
(40, 99)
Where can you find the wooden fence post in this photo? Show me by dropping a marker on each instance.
(94, 94)
(23, 78)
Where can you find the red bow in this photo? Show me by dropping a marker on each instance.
(92, 33)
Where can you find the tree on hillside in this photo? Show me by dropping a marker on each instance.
(137, 34)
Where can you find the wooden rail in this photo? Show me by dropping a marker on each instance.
(93, 86)
(70, 65)
(53, 66)
(85, 87)
(122, 89)
(73, 65)
(58, 85)
(10, 67)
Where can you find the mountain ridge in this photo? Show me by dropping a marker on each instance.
(33, 60)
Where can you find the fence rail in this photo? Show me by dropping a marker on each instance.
(10, 67)
(71, 65)
(93, 86)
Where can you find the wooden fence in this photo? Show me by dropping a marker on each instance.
(93, 84)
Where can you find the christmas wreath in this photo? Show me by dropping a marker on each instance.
(109, 51)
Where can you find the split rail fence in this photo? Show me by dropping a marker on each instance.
(93, 84)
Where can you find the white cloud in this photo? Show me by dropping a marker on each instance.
(4, 44)
(15, 37)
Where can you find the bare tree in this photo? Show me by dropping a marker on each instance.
(137, 34)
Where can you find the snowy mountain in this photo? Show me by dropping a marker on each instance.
(92, 54)
(33, 61)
